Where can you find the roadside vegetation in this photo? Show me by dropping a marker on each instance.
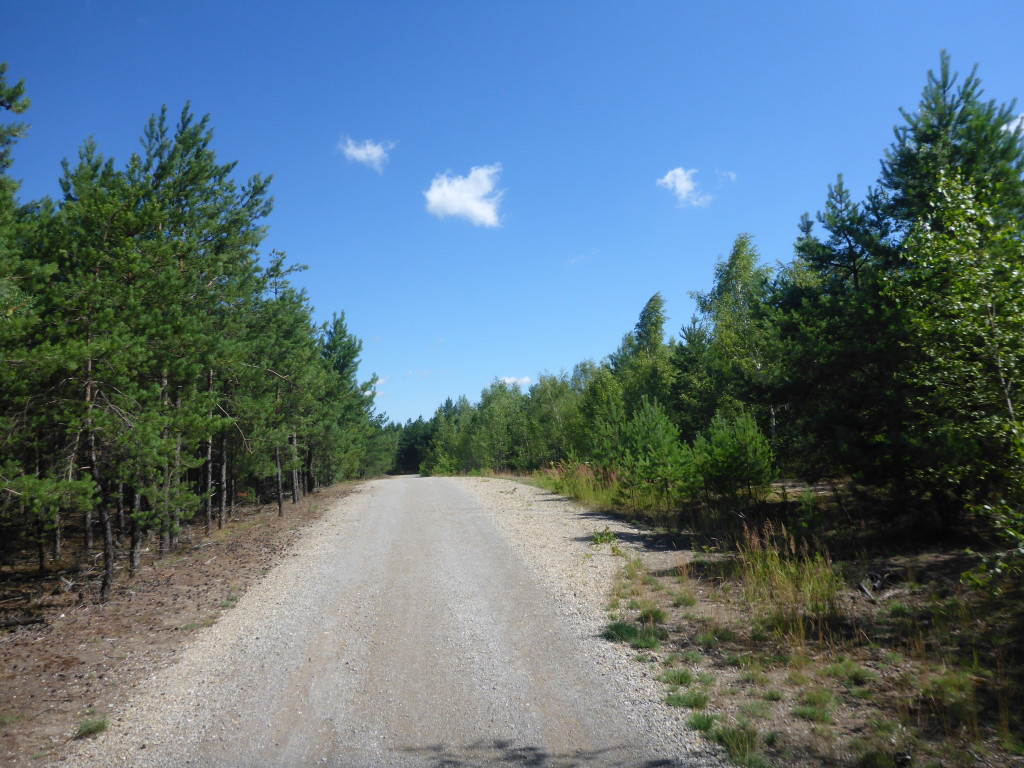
(867, 610)
(786, 655)
(156, 367)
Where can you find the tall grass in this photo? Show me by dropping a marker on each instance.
(790, 588)
(580, 481)
(601, 489)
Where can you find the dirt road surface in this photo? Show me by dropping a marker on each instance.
(406, 628)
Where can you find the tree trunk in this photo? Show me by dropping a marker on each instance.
(108, 553)
(41, 549)
(294, 440)
(176, 510)
(120, 508)
(208, 474)
(310, 480)
(108, 533)
(88, 531)
(208, 478)
(223, 489)
(58, 536)
(133, 561)
(92, 445)
(165, 502)
(280, 488)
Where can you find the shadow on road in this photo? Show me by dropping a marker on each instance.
(507, 753)
(654, 541)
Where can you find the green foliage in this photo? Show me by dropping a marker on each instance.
(886, 350)
(953, 131)
(651, 460)
(734, 458)
(963, 292)
(607, 536)
(167, 348)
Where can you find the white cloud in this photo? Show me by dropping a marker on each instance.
(1017, 122)
(471, 197)
(369, 152)
(681, 182)
(728, 175)
(521, 381)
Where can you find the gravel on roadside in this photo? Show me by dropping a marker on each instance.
(554, 536)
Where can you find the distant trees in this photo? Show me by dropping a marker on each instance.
(888, 348)
(172, 370)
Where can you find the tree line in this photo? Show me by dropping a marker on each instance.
(155, 365)
(889, 348)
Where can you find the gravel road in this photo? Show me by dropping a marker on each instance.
(421, 622)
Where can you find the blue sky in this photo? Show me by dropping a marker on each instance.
(495, 189)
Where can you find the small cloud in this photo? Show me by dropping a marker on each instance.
(727, 175)
(680, 182)
(1013, 125)
(522, 381)
(577, 259)
(382, 382)
(471, 197)
(369, 152)
(407, 375)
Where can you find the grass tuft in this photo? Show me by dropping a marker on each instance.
(689, 699)
(850, 672)
(620, 632)
(677, 677)
(90, 727)
(10, 718)
(741, 743)
(816, 705)
(702, 721)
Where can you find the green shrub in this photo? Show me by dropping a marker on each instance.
(734, 458)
